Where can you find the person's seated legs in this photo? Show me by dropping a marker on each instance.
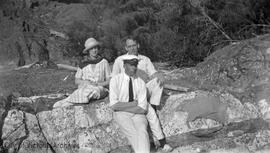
(154, 92)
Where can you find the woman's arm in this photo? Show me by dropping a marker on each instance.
(78, 78)
(107, 75)
(104, 83)
(83, 82)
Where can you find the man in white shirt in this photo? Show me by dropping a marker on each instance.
(146, 70)
(154, 81)
(128, 99)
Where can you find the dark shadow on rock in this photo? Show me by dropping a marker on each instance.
(106, 99)
(165, 95)
(16, 144)
(46, 104)
(6, 103)
(40, 105)
(248, 126)
(207, 133)
(122, 149)
(210, 108)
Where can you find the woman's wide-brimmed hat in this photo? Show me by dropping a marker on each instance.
(90, 43)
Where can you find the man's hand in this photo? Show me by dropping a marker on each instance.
(135, 102)
(160, 78)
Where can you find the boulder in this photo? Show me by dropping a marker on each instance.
(241, 69)
(82, 128)
(174, 118)
(90, 127)
(14, 131)
(21, 133)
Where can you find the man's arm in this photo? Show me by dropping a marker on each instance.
(160, 78)
(135, 110)
(121, 106)
(117, 105)
(153, 73)
(142, 95)
(116, 67)
(131, 107)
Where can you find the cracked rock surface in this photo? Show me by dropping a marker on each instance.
(90, 128)
(238, 75)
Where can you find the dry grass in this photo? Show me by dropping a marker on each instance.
(29, 82)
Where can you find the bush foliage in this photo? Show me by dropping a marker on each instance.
(182, 32)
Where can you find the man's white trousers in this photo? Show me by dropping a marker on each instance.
(134, 127)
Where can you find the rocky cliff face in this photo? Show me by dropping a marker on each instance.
(32, 29)
(234, 81)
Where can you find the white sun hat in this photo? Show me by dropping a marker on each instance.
(90, 43)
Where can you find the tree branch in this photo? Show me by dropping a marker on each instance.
(215, 24)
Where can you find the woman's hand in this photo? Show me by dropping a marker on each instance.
(92, 83)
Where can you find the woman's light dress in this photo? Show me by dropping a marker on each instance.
(95, 73)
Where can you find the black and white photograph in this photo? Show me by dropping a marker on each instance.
(134, 76)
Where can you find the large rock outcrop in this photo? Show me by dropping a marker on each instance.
(84, 128)
(241, 69)
(239, 72)
(90, 128)
(32, 27)
(234, 80)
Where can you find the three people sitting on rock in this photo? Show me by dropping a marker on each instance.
(131, 113)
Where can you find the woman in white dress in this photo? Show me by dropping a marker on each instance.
(91, 77)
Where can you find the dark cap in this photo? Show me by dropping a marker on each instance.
(132, 62)
(130, 59)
